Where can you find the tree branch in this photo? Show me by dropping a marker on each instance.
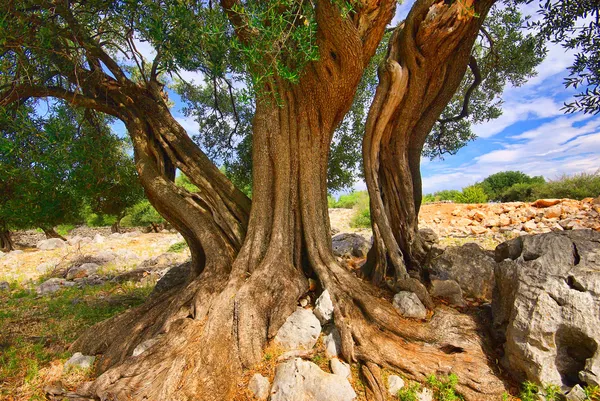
(465, 109)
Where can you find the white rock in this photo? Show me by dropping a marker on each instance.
(395, 383)
(53, 285)
(324, 308)
(141, 348)
(16, 252)
(300, 331)
(52, 243)
(45, 267)
(78, 239)
(105, 256)
(303, 302)
(332, 342)
(84, 270)
(340, 368)
(116, 235)
(99, 239)
(259, 386)
(425, 395)
(78, 360)
(132, 234)
(409, 305)
(299, 380)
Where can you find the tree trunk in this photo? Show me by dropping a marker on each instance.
(427, 58)
(51, 233)
(6, 243)
(116, 226)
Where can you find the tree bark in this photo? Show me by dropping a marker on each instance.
(427, 58)
(6, 243)
(50, 232)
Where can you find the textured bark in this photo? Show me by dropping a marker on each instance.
(50, 232)
(427, 58)
(6, 243)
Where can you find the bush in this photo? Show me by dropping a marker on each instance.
(445, 195)
(444, 388)
(522, 192)
(496, 184)
(577, 186)
(178, 247)
(348, 201)
(141, 215)
(472, 194)
(362, 211)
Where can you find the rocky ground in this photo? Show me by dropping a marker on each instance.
(51, 290)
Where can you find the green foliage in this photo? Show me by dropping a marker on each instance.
(362, 218)
(522, 192)
(444, 388)
(142, 214)
(409, 392)
(348, 201)
(472, 194)
(496, 184)
(185, 182)
(444, 195)
(178, 247)
(578, 186)
(64, 229)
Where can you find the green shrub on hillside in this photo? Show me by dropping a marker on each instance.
(522, 192)
(348, 201)
(578, 186)
(142, 214)
(472, 194)
(496, 184)
(445, 195)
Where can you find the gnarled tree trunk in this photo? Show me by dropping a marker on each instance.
(6, 243)
(427, 58)
(50, 232)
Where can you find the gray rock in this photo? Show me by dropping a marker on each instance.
(324, 308)
(78, 360)
(340, 368)
(348, 245)
(4, 286)
(51, 243)
(576, 394)
(78, 239)
(16, 252)
(52, 285)
(45, 267)
(131, 234)
(448, 290)
(141, 348)
(127, 255)
(408, 305)
(259, 386)
(470, 266)
(429, 237)
(99, 239)
(300, 331)
(298, 380)
(105, 256)
(395, 384)
(546, 307)
(174, 277)
(332, 342)
(84, 270)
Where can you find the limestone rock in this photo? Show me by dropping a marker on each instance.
(395, 384)
(332, 342)
(576, 394)
(51, 243)
(340, 368)
(409, 305)
(300, 331)
(52, 285)
(546, 304)
(99, 239)
(541, 203)
(324, 308)
(298, 380)
(105, 256)
(425, 395)
(350, 245)
(174, 277)
(259, 386)
(448, 290)
(78, 239)
(470, 266)
(78, 360)
(84, 270)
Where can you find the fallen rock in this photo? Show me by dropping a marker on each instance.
(332, 342)
(395, 384)
(298, 380)
(300, 331)
(78, 360)
(545, 307)
(99, 239)
(105, 256)
(470, 266)
(52, 285)
(324, 308)
(84, 270)
(448, 290)
(259, 386)
(51, 243)
(429, 237)
(174, 277)
(409, 305)
(348, 245)
(576, 394)
(542, 203)
(340, 368)
(78, 239)
(4, 286)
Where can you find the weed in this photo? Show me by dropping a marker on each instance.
(409, 392)
(444, 388)
(178, 247)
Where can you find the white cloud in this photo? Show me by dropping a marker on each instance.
(189, 124)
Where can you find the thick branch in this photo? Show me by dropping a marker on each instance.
(476, 82)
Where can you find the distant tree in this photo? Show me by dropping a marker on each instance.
(496, 184)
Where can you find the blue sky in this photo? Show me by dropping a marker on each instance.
(533, 135)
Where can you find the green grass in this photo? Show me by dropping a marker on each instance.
(64, 229)
(444, 388)
(348, 201)
(35, 332)
(409, 392)
(178, 247)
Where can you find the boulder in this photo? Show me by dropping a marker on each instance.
(542, 203)
(576, 394)
(84, 270)
(299, 380)
(105, 256)
(409, 305)
(259, 386)
(324, 308)
(300, 331)
(470, 266)
(99, 239)
(448, 290)
(4, 286)
(78, 239)
(51, 243)
(546, 307)
(78, 360)
(340, 368)
(395, 384)
(174, 277)
(52, 285)
(349, 245)
(332, 342)
(46, 267)
(425, 395)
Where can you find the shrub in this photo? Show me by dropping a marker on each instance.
(577, 186)
(444, 388)
(496, 184)
(178, 247)
(362, 219)
(142, 214)
(350, 200)
(472, 194)
(522, 192)
(409, 392)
